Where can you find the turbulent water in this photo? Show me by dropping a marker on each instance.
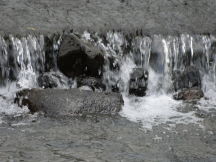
(23, 59)
(160, 56)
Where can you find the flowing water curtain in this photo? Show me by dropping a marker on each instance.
(139, 50)
(22, 59)
(145, 49)
(160, 55)
(4, 69)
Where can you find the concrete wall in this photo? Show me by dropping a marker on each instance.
(153, 16)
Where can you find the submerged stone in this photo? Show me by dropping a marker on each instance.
(189, 94)
(53, 80)
(59, 102)
(188, 78)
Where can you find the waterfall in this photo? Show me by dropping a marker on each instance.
(23, 59)
(160, 56)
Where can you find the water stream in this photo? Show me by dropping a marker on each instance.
(24, 58)
(160, 56)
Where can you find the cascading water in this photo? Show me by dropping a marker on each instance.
(160, 56)
(23, 59)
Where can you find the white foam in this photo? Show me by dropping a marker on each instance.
(155, 109)
(7, 106)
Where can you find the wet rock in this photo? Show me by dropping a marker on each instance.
(138, 82)
(213, 47)
(189, 94)
(78, 57)
(59, 102)
(53, 80)
(93, 83)
(115, 88)
(113, 64)
(189, 78)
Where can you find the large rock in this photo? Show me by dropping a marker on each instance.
(189, 78)
(59, 102)
(78, 57)
(53, 80)
(138, 82)
(189, 94)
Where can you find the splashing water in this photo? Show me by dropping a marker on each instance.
(160, 56)
(156, 109)
(23, 59)
(7, 106)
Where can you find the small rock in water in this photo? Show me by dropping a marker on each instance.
(188, 78)
(189, 94)
(53, 80)
(93, 83)
(187, 84)
(138, 82)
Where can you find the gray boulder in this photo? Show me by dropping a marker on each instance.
(189, 94)
(53, 80)
(138, 82)
(59, 102)
(78, 57)
(188, 78)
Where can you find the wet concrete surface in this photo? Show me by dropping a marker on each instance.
(101, 139)
(152, 16)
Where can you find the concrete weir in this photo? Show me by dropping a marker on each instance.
(152, 16)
